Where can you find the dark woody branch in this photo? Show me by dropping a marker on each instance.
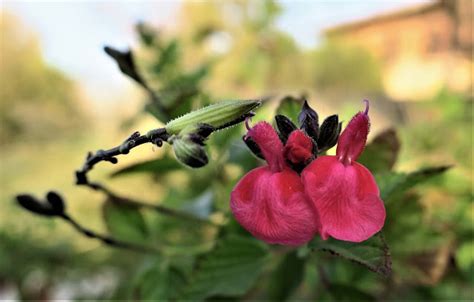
(107, 240)
(156, 137)
(54, 206)
(155, 207)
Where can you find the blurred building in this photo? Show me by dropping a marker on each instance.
(422, 48)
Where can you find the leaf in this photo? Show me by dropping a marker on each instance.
(124, 221)
(156, 110)
(403, 217)
(373, 253)
(290, 107)
(201, 206)
(230, 269)
(160, 281)
(395, 184)
(427, 267)
(125, 63)
(156, 166)
(381, 154)
(168, 57)
(342, 292)
(465, 258)
(287, 277)
(420, 254)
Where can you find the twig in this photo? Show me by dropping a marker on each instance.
(106, 239)
(156, 136)
(141, 204)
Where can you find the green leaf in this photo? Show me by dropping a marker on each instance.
(200, 206)
(381, 154)
(124, 221)
(287, 277)
(373, 253)
(465, 258)
(290, 107)
(403, 218)
(230, 269)
(156, 110)
(160, 281)
(395, 184)
(168, 57)
(342, 292)
(157, 166)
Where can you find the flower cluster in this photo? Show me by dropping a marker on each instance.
(299, 194)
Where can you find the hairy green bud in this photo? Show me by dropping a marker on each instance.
(219, 116)
(189, 152)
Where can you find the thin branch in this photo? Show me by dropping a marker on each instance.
(158, 208)
(156, 136)
(106, 239)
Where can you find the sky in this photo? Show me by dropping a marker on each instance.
(73, 33)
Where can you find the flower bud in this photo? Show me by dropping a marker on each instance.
(53, 206)
(285, 127)
(188, 151)
(308, 119)
(252, 145)
(55, 201)
(329, 133)
(299, 148)
(219, 115)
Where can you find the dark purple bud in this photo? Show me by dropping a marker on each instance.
(252, 145)
(55, 201)
(35, 206)
(308, 120)
(204, 130)
(285, 127)
(329, 133)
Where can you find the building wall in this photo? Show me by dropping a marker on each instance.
(420, 53)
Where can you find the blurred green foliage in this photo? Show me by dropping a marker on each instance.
(345, 70)
(34, 91)
(426, 242)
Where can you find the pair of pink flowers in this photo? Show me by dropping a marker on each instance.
(333, 196)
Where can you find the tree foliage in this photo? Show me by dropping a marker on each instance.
(34, 91)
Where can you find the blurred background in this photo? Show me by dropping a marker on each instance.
(62, 96)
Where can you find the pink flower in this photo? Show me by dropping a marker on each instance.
(299, 148)
(343, 191)
(270, 201)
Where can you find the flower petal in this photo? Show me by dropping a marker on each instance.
(352, 141)
(273, 207)
(346, 198)
(298, 148)
(269, 143)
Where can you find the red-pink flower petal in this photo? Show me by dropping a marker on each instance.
(298, 148)
(273, 207)
(270, 145)
(346, 198)
(352, 141)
